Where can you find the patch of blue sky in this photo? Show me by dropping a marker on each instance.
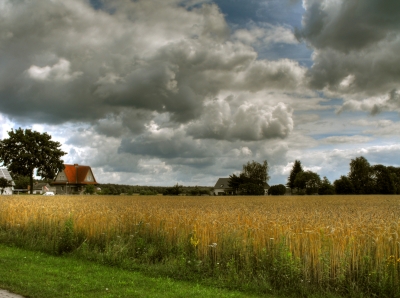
(99, 5)
(332, 102)
(298, 52)
(362, 115)
(268, 11)
(330, 124)
(327, 135)
(96, 4)
(241, 13)
(393, 116)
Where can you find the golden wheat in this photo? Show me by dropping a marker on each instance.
(330, 235)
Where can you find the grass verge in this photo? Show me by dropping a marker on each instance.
(38, 275)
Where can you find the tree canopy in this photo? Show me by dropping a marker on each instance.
(326, 188)
(27, 150)
(343, 186)
(252, 180)
(308, 181)
(234, 182)
(384, 180)
(256, 172)
(297, 168)
(360, 175)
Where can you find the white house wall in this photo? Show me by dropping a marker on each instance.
(61, 176)
(8, 191)
(89, 177)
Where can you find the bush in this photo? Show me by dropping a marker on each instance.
(277, 190)
(251, 189)
(89, 189)
(173, 191)
(147, 193)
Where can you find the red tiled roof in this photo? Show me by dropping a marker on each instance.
(76, 174)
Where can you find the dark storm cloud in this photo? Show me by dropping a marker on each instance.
(372, 71)
(65, 61)
(165, 143)
(127, 121)
(374, 105)
(355, 47)
(349, 25)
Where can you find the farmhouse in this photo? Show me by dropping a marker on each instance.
(73, 179)
(5, 174)
(222, 187)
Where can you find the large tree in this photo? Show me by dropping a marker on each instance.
(256, 172)
(251, 180)
(326, 188)
(234, 182)
(396, 177)
(297, 168)
(27, 150)
(361, 176)
(384, 180)
(308, 181)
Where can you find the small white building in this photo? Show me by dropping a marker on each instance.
(6, 174)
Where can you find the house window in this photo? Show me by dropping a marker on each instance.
(222, 185)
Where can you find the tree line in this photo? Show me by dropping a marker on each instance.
(117, 189)
(363, 178)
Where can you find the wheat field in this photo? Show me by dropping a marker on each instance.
(326, 239)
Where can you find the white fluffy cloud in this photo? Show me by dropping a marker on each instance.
(248, 122)
(266, 35)
(57, 72)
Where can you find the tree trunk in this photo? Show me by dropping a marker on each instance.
(31, 183)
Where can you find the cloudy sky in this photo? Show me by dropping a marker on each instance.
(158, 92)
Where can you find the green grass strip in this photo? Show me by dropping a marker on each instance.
(38, 275)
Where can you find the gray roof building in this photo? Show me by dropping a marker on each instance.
(4, 173)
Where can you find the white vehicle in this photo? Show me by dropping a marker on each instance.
(48, 193)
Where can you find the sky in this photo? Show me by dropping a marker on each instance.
(159, 92)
